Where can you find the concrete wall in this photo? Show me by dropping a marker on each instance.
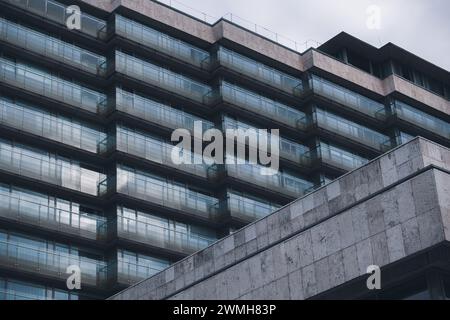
(393, 207)
(310, 59)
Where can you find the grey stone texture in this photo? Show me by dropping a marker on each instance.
(302, 62)
(395, 206)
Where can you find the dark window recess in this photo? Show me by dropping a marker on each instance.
(358, 61)
(420, 79)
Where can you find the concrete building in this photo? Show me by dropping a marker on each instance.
(393, 212)
(86, 176)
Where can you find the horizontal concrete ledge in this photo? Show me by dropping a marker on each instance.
(384, 211)
(302, 62)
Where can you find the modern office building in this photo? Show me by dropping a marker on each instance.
(86, 175)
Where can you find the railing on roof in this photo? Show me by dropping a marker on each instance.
(244, 23)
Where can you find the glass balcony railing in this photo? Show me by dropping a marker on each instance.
(48, 168)
(259, 71)
(159, 41)
(154, 190)
(350, 130)
(295, 152)
(27, 293)
(49, 263)
(160, 236)
(128, 273)
(346, 97)
(258, 104)
(157, 113)
(288, 149)
(51, 217)
(144, 146)
(50, 47)
(403, 137)
(18, 295)
(246, 208)
(281, 182)
(420, 119)
(36, 81)
(56, 12)
(339, 158)
(160, 77)
(50, 126)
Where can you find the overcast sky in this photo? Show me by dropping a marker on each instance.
(420, 26)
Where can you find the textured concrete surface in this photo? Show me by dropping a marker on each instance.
(302, 62)
(391, 208)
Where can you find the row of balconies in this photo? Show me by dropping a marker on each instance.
(98, 228)
(68, 174)
(36, 121)
(52, 87)
(56, 12)
(61, 172)
(151, 38)
(52, 264)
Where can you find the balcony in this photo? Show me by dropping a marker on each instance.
(150, 148)
(38, 82)
(157, 113)
(277, 181)
(288, 150)
(161, 42)
(127, 273)
(50, 126)
(50, 263)
(338, 158)
(40, 214)
(420, 119)
(32, 292)
(246, 209)
(160, 236)
(52, 48)
(345, 97)
(56, 12)
(259, 71)
(160, 77)
(257, 104)
(336, 125)
(48, 168)
(153, 189)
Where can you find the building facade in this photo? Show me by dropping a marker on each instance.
(86, 175)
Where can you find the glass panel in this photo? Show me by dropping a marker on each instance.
(55, 11)
(48, 125)
(247, 208)
(421, 119)
(41, 82)
(48, 46)
(154, 189)
(154, 149)
(349, 129)
(162, 232)
(282, 182)
(156, 112)
(160, 77)
(34, 163)
(49, 259)
(259, 71)
(132, 267)
(264, 106)
(340, 158)
(346, 97)
(152, 38)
